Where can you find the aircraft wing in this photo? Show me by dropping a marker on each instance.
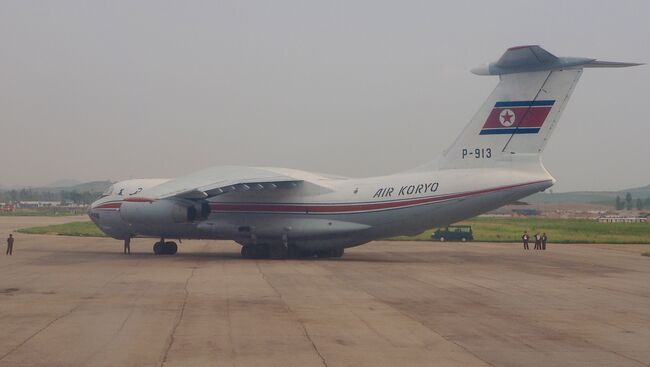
(219, 180)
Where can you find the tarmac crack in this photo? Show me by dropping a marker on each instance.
(52, 322)
(286, 305)
(178, 319)
(233, 351)
(444, 337)
(374, 330)
(122, 325)
(627, 357)
(620, 354)
(38, 332)
(405, 314)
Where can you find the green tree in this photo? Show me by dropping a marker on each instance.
(619, 203)
(639, 204)
(628, 201)
(646, 203)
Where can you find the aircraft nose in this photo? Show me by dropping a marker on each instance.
(92, 212)
(92, 206)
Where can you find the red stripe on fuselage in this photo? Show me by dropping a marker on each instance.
(139, 200)
(110, 205)
(118, 204)
(356, 207)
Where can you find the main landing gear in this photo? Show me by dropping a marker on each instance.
(263, 251)
(165, 248)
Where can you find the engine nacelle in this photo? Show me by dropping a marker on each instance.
(202, 209)
(165, 211)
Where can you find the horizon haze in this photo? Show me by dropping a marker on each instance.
(117, 90)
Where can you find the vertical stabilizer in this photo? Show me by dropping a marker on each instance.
(516, 121)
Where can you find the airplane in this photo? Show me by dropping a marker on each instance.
(287, 213)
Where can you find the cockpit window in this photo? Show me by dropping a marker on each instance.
(108, 191)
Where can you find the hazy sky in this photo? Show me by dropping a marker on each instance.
(124, 89)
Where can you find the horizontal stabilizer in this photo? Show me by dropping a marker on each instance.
(610, 64)
(525, 55)
(522, 59)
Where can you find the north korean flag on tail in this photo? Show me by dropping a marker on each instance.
(517, 117)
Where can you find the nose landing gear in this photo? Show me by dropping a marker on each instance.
(165, 248)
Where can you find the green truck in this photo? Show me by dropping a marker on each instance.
(453, 233)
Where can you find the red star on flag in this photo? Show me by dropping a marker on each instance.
(507, 116)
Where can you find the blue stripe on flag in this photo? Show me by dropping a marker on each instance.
(521, 130)
(524, 103)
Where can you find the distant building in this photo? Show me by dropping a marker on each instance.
(7, 207)
(525, 212)
(38, 204)
(619, 219)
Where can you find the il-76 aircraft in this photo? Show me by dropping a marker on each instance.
(279, 212)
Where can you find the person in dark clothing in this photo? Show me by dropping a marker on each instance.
(544, 238)
(538, 241)
(127, 245)
(524, 238)
(10, 245)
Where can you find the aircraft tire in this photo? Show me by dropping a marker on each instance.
(157, 248)
(255, 252)
(171, 248)
(338, 252)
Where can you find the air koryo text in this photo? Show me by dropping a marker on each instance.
(406, 190)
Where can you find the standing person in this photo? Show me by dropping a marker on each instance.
(538, 241)
(10, 245)
(525, 239)
(544, 238)
(127, 245)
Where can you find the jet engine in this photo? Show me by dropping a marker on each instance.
(165, 211)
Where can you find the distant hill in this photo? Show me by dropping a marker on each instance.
(644, 190)
(592, 197)
(83, 193)
(66, 182)
(93, 186)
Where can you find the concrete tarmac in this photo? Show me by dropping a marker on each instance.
(69, 301)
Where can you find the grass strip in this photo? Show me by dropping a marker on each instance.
(81, 229)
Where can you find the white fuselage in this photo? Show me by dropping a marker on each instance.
(335, 212)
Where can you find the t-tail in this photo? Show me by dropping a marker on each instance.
(512, 127)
